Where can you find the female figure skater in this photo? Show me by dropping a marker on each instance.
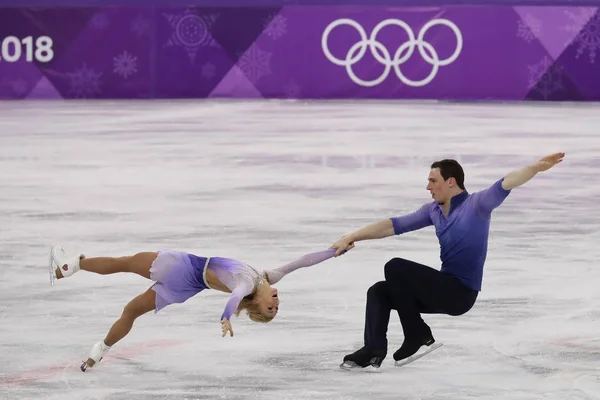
(179, 276)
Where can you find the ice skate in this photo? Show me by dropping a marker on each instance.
(98, 351)
(364, 360)
(412, 350)
(61, 264)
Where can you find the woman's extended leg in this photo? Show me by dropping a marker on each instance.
(139, 263)
(65, 265)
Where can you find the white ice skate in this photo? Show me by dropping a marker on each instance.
(98, 351)
(60, 260)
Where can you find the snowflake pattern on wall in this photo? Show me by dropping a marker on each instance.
(84, 82)
(275, 26)
(191, 32)
(529, 29)
(545, 77)
(578, 19)
(255, 63)
(588, 39)
(125, 65)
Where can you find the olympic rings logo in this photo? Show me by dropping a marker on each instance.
(383, 56)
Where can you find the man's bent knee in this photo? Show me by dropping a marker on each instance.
(377, 288)
(393, 267)
(463, 306)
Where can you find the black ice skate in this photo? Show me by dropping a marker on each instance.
(409, 351)
(364, 360)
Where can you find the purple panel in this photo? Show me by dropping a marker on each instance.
(462, 53)
(109, 58)
(367, 53)
(197, 48)
(22, 73)
(579, 63)
(279, 3)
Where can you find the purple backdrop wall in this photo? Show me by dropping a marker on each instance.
(437, 52)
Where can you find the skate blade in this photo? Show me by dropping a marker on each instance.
(415, 357)
(51, 267)
(88, 364)
(351, 366)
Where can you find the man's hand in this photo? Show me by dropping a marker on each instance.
(548, 162)
(226, 327)
(343, 245)
(520, 176)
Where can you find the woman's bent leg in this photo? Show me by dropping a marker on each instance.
(137, 307)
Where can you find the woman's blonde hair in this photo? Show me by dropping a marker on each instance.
(252, 309)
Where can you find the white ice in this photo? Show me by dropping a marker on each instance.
(266, 182)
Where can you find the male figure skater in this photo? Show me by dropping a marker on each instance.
(462, 222)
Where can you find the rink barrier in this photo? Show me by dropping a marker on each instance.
(303, 49)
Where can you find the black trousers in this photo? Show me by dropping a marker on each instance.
(412, 289)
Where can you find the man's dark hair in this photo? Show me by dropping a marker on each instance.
(451, 169)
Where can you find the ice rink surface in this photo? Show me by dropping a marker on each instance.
(267, 182)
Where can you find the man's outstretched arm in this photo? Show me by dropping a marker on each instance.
(378, 230)
(384, 228)
(523, 175)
